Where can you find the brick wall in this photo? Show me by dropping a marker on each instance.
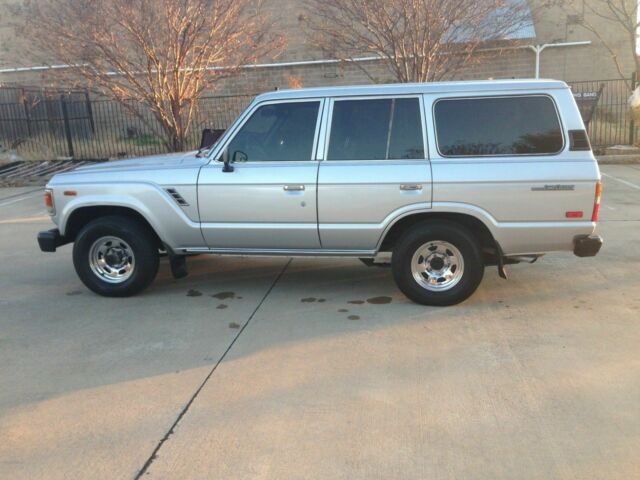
(574, 63)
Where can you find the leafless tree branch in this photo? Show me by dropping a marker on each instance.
(152, 55)
(417, 40)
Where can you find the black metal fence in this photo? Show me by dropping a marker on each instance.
(48, 124)
(611, 122)
(45, 125)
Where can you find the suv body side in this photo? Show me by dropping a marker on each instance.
(350, 206)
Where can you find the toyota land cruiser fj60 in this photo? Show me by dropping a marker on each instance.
(440, 178)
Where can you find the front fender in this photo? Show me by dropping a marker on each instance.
(169, 221)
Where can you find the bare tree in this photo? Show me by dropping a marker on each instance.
(602, 17)
(153, 55)
(418, 40)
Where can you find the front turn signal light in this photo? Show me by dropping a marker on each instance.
(48, 201)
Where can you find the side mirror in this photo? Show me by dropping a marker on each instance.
(238, 156)
(227, 163)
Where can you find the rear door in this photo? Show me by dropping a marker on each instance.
(375, 166)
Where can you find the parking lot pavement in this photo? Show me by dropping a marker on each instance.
(327, 371)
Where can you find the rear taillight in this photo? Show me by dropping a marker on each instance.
(579, 140)
(48, 201)
(596, 204)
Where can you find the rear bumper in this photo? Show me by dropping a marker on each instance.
(587, 246)
(50, 240)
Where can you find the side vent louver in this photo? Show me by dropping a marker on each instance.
(579, 140)
(177, 197)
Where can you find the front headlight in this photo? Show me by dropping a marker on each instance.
(49, 202)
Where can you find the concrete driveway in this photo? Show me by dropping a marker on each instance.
(321, 369)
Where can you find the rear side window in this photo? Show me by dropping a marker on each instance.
(497, 126)
(379, 129)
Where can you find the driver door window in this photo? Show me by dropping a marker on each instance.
(283, 132)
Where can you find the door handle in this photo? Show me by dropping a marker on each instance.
(293, 188)
(410, 187)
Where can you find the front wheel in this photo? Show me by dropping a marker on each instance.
(116, 256)
(437, 263)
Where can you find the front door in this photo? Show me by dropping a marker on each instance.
(269, 199)
(376, 169)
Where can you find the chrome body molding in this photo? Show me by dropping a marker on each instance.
(274, 252)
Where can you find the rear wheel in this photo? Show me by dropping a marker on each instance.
(437, 263)
(116, 256)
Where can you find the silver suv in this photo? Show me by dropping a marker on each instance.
(442, 179)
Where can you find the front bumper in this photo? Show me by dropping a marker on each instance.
(587, 246)
(50, 240)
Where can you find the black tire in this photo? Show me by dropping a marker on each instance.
(437, 231)
(138, 237)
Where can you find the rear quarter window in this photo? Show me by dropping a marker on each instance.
(493, 126)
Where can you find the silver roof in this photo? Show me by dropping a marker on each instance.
(416, 88)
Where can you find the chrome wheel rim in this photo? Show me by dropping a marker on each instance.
(437, 266)
(111, 259)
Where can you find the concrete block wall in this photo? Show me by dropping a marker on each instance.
(507, 64)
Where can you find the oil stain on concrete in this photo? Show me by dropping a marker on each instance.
(224, 295)
(379, 300)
